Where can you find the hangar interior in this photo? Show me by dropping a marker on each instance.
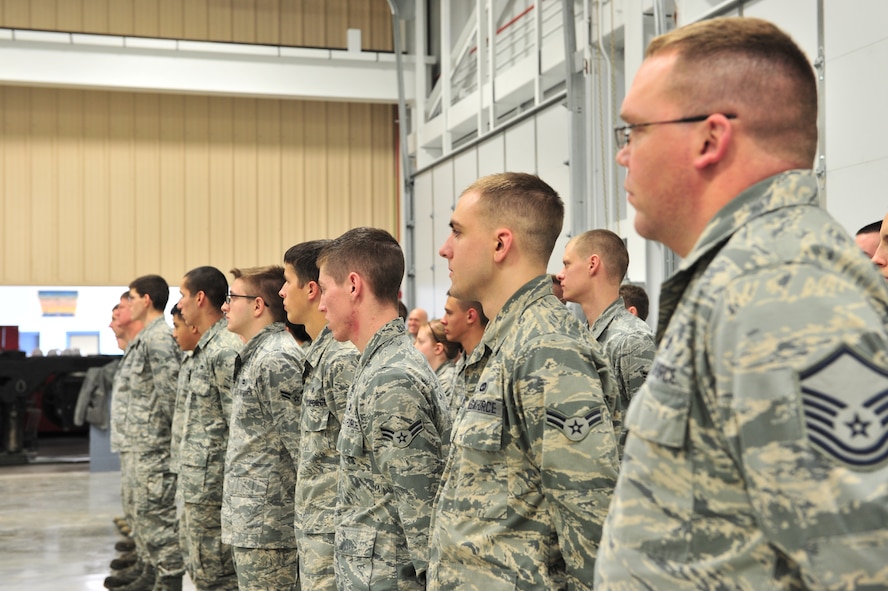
(153, 136)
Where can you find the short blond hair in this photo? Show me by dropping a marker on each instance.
(526, 205)
(750, 68)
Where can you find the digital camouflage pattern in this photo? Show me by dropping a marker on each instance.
(629, 344)
(206, 411)
(446, 374)
(329, 373)
(534, 457)
(205, 415)
(179, 413)
(391, 444)
(208, 561)
(757, 455)
(143, 400)
(266, 569)
(145, 390)
(260, 473)
(455, 396)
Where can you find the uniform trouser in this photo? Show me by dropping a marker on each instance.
(153, 488)
(128, 488)
(260, 569)
(208, 561)
(316, 561)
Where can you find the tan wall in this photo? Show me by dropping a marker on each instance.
(97, 188)
(315, 23)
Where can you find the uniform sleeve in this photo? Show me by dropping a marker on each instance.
(634, 357)
(164, 359)
(800, 363)
(338, 377)
(223, 378)
(282, 390)
(573, 442)
(406, 448)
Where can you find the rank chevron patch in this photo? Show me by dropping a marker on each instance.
(403, 437)
(574, 428)
(845, 400)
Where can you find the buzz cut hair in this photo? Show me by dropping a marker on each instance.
(526, 205)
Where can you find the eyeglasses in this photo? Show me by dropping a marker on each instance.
(237, 295)
(623, 133)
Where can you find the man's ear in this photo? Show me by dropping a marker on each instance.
(356, 284)
(713, 140)
(200, 297)
(504, 242)
(312, 290)
(594, 264)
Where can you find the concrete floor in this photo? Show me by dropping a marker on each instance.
(56, 529)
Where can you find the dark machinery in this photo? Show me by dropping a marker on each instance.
(32, 388)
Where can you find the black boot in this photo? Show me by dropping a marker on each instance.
(124, 561)
(145, 581)
(125, 576)
(125, 545)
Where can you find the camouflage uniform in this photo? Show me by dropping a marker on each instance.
(260, 473)
(534, 463)
(629, 344)
(455, 395)
(179, 415)
(391, 447)
(446, 374)
(176, 443)
(206, 409)
(328, 374)
(757, 455)
(141, 424)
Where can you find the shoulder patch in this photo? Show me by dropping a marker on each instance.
(403, 437)
(574, 428)
(845, 401)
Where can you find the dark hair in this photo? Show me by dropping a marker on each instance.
(373, 254)
(749, 67)
(527, 205)
(635, 295)
(874, 227)
(155, 287)
(209, 280)
(176, 312)
(466, 305)
(303, 257)
(402, 310)
(265, 282)
(607, 245)
(451, 348)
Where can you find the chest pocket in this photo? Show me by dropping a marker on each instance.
(351, 440)
(658, 437)
(315, 420)
(483, 461)
(659, 414)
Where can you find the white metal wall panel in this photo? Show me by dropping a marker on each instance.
(423, 241)
(552, 155)
(521, 147)
(856, 95)
(443, 179)
(492, 155)
(465, 172)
